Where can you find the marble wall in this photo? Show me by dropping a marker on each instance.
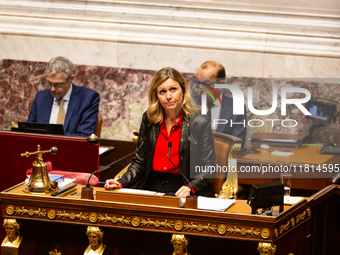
(123, 93)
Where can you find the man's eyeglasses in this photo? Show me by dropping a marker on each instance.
(57, 85)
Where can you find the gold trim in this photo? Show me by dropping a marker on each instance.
(51, 214)
(178, 225)
(243, 231)
(114, 219)
(200, 227)
(64, 215)
(30, 212)
(93, 217)
(135, 221)
(265, 233)
(55, 252)
(292, 221)
(10, 209)
(276, 231)
(157, 224)
(221, 229)
(301, 216)
(309, 212)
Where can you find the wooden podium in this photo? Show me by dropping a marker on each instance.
(50, 223)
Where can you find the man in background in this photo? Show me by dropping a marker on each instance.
(65, 103)
(211, 73)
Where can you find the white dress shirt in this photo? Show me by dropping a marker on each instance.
(56, 106)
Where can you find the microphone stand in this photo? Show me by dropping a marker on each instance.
(87, 191)
(191, 201)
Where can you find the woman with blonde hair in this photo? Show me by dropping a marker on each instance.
(171, 121)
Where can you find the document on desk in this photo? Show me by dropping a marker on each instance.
(215, 204)
(137, 191)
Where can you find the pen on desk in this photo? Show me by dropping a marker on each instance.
(284, 150)
(102, 182)
(14, 125)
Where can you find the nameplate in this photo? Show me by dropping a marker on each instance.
(140, 199)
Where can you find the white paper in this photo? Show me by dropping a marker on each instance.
(282, 153)
(137, 191)
(215, 204)
(102, 150)
(291, 200)
(65, 182)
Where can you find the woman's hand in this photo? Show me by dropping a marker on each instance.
(184, 191)
(112, 184)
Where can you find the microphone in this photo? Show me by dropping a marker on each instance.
(88, 191)
(191, 192)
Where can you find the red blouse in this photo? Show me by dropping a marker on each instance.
(161, 161)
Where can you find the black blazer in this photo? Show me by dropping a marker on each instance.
(197, 148)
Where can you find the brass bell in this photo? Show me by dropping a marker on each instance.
(40, 181)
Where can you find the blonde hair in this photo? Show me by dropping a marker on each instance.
(181, 238)
(155, 110)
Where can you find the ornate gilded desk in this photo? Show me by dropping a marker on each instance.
(59, 223)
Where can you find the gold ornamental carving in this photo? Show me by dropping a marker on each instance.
(135, 221)
(64, 215)
(51, 214)
(243, 231)
(200, 227)
(55, 252)
(309, 212)
(10, 209)
(178, 225)
(93, 217)
(221, 229)
(266, 248)
(114, 219)
(265, 233)
(284, 227)
(301, 216)
(157, 224)
(276, 231)
(30, 212)
(292, 221)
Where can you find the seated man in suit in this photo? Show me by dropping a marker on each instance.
(65, 103)
(210, 73)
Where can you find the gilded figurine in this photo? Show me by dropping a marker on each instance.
(96, 246)
(180, 243)
(266, 248)
(13, 238)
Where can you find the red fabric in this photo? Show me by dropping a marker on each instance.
(81, 178)
(161, 161)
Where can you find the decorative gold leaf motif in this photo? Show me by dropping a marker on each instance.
(55, 252)
(51, 214)
(221, 229)
(114, 219)
(276, 231)
(135, 221)
(178, 225)
(199, 227)
(93, 217)
(284, 227)
(301, 216)
(292, 221)
(157, 224)
(265, 233)
(64, 215)
(243, 231)
(30, 212)
(309, 212)
(10, 209)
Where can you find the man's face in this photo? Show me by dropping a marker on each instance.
(208, 77)
(58, 84)
(178, 247)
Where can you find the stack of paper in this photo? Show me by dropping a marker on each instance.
(215, 204)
